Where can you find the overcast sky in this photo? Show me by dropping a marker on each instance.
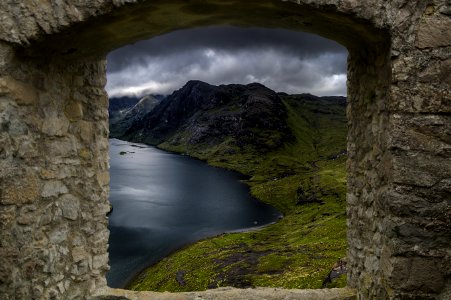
(285, 61)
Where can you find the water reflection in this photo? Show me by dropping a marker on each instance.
(163, 201)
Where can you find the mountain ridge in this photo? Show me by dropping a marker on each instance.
(232, 115)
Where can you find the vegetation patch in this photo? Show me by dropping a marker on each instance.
(300, 249)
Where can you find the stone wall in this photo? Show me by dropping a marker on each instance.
(54, 148)
(53, 178)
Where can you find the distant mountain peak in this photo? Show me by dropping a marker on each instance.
(124, 111)
(196, 84)
(196, 81)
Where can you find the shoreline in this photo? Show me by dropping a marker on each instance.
(242, 230)
(248, 230)
(244, 176)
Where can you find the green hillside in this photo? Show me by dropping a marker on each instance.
(304, 178)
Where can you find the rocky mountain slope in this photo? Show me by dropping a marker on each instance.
(203, 115)
(119, 104)
(125, 111)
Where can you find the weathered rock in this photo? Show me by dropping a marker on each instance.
(79, 253)
(74, 111)
(53, 188)
(434, 33)
(26, 215)
(22, 93)
(103, 178)
(70, 206)
(28, 149)
(100, 261)
(55, 126)
(199, 113)
(21, 190)
(59, 234)
(418, 274)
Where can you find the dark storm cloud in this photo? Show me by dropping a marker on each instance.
(283, 60)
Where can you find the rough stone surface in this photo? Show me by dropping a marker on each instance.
(54, 148)
(48, 216)
(228, 293)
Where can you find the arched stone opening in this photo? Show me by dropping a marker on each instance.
(53, 116)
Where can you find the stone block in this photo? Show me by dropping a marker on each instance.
(28, 148)
(103, 178)
(70, 206)
(86, 131)
(85, 153)
(419, 274)
(53, 188)
(46, 217)
(58, 234)
(74, 111)
(99, 237)
(411, 139)
(61, 148)
(434, 32)
(55, 126)
(21, 190)
(81, 268)
(405, 202)
(78, 254)
(26, 215)
(420, 234)
(439, 71)
(419, 169)
(421, 98)
(22, 93)
(100, 261)
(58, 171)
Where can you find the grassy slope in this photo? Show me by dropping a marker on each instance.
(296, 252)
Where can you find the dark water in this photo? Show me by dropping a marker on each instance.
(163, 201)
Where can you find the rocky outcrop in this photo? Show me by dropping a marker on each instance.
(203, 114)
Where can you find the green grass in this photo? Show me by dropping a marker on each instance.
(300, 249)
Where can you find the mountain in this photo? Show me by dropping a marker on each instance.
(204, 115)
(119, 104)
(125, 111)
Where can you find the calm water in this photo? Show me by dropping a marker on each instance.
(163, 201)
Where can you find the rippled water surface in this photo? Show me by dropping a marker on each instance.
(163, 201)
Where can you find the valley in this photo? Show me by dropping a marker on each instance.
(292, 150)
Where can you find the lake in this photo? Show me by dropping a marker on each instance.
(163, 201)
